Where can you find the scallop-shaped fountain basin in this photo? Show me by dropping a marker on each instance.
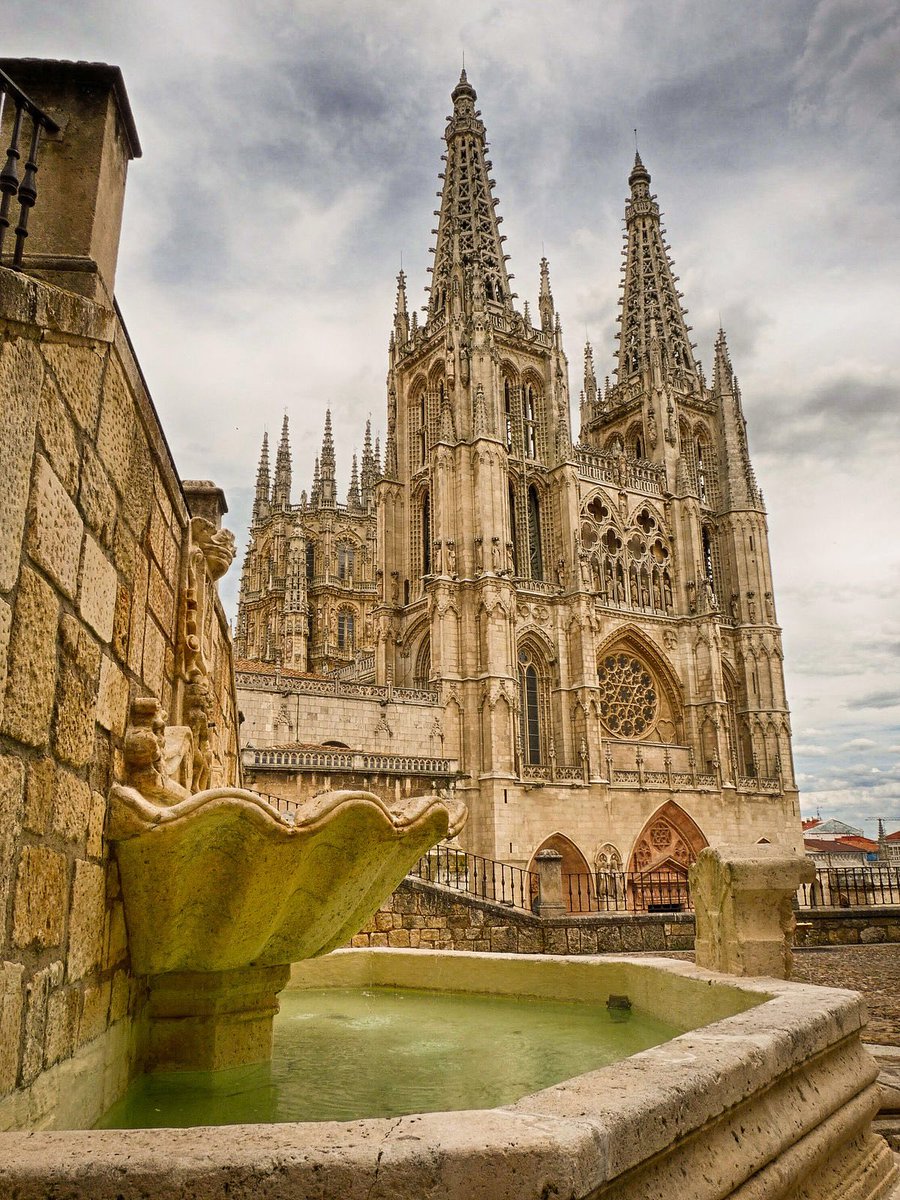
(222, 892)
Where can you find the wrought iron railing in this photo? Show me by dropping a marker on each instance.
(852, 887)
(12, 188)
(622, 891)
(476, 876)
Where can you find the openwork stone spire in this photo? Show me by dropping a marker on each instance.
(468, 237)
(369, 472)
(281, 489)
(327, 481)
(650, 295)
(353, 490)
(401, 312)
(261, 500)
(546, 307)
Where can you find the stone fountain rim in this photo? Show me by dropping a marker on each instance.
(582, 1130)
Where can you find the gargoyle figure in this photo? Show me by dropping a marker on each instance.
(218, 545)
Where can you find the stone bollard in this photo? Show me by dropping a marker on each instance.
(550, 902)
(743, 904)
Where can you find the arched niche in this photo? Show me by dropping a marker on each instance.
(669, 842)
(573, 863)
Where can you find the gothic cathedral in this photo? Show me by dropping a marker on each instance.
(593, 623)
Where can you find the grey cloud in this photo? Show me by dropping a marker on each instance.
(883, 699)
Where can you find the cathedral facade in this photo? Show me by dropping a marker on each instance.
(593, 620)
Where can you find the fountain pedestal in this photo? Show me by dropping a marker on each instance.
(208, 1020)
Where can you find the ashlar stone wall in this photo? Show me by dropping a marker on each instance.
(94, 550)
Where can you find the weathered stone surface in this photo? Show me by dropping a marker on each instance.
(11, 1005)
(21, 371)
(95, 825)
(40, 795)
(36, 992)
(94, 1012)
(86, 920)
(72, 808)
(112, 697)
(743, 903)
(97, 498)
(117, 426)
(63, 1010)
(12, 786)
(78, 370)
(76, 706)
(41, 898)
(58, 436)
(98, 589)
(154, 660)
(5, 630)
(32, 661)
(56, 529)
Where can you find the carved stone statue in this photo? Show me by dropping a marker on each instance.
(217, 545)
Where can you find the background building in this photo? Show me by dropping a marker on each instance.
(585, 631)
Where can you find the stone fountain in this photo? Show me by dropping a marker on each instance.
(223, 892)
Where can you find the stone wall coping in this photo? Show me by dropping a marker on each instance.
(796, 1055)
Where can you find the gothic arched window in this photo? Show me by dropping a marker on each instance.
(535, 553)
(507, 414)
(426, 535)
(423, 432)
(513, 530)
(529, 417)
(533, 715)
(345, 561)
(346, 629)
(310, 560)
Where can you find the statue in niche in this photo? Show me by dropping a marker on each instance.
(395, 587)
(770, 607)
(710, 603)
(510, 565)
(479, 555)
(668, 592)
(657, 594)
(496, 561)
(561, 572)
(733, 606)
(751, 606)
(451, 558)
(438, 557)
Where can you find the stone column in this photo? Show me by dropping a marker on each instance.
(550, 902)
(743, 904)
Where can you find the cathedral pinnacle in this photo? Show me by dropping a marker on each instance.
(353, 490)
(468, 253)
(369, 473)
(281, 488)
(401, 312)
(327, 481)
(545, 301)
(650, 296)
(261, 500)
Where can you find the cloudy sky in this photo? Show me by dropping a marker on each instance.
(291, 153)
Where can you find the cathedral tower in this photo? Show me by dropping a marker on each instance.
(595, 622)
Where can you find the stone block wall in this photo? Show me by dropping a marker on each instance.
(94, 548)
(421, 915)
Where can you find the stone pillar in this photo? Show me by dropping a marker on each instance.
(207, 1020)
(743, 897)
(550, 901)
(73, 238)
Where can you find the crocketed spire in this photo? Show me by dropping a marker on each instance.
(261, 500)
(649, 295)
(281, 488)
(327, 480)
(468, 238)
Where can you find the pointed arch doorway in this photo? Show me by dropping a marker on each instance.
(573, 864)
(663, 851)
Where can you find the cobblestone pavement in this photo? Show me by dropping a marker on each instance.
(872, 970)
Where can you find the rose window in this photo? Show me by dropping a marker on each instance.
(628, 699)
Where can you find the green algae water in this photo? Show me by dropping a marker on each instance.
(346, 1053)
